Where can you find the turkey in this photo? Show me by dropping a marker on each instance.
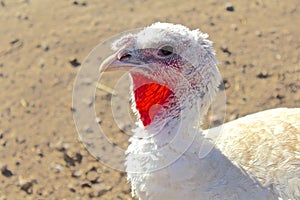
(175, 78)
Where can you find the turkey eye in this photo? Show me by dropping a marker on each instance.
(165, 51)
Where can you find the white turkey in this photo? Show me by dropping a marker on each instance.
(174, 80)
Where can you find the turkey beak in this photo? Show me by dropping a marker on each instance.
(121, 60)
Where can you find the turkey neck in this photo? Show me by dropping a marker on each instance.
(163, 116)
(163, 144)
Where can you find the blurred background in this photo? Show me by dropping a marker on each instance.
(43, 43)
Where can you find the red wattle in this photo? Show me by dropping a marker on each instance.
(149, 97)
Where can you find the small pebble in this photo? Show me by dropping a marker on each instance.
(59, 146)
(226, 84)
(225, 49)
(98, 120)
(92, 176)
(86, 185)
(126, 191)
(280, 96)
(72, 190)
(234, 27)
(78, 157)
(73, 109)
(263, 74)
(258, 33)
(229, 7)
(278, 56)
(41, 63)
(227, 62)
(74, 62)
(21, 16)
(79, 4)
(77, 173)
(27, 187)
(233, 117)
(24, 103)
(69, 160)
(71, 187)
(14, 41)
(57, 167)
(44, 46)
(6, 172)
(99, 190)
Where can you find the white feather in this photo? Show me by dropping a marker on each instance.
(254, 157)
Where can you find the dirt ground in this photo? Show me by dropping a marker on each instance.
(43, 42)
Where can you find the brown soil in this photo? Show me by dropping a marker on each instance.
(257, 44)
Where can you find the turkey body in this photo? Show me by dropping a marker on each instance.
(254, 157)
(174, 80)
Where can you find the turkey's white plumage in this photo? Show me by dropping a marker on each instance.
(266, 145)
(254, 157)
